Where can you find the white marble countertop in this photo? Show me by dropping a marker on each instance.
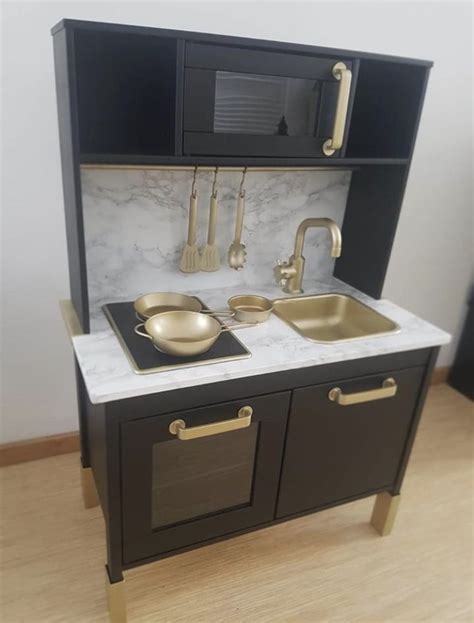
(274, 345)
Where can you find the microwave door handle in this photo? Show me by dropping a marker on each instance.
(344, 76)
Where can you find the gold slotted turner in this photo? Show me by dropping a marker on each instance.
(190, 258)
(210, 258)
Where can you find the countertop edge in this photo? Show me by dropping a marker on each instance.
(97, 399)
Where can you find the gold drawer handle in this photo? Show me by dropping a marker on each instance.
(243, 419)
(344, 75)
(388, 389)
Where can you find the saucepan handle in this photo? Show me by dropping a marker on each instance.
(223, 312)
(142, 333)
(243, 325)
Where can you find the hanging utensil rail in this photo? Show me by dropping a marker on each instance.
(211, 169)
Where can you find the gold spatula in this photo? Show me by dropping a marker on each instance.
(210, 258)
(190, 258)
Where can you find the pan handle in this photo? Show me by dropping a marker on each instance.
(244, 325)
(223, 312)
(138, 332)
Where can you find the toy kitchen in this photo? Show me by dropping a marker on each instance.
(231, 206)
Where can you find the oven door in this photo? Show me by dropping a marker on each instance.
(191, 476)
(240, 102)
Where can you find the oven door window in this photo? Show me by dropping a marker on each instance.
(265, 105)
(201, 477)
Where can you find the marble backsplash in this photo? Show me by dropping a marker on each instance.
(136, 225)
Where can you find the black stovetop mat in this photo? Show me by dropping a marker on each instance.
(145, 358)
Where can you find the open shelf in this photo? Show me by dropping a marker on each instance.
(386, 110)
(126, 93)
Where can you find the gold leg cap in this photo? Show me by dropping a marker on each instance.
(384, 513)
(116, 600)
(89, 491)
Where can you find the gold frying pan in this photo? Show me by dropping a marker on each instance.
(158, 302)
(184, 333)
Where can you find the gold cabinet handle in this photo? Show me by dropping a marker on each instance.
(243, 419)
(388, 389)
(344, 75)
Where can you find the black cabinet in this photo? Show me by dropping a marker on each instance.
(189, 467)
(245, 102)
(336, 451)
(195, 475)
(190, 476)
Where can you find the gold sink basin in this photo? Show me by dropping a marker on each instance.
(332, 318)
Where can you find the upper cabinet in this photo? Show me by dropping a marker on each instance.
(244, 102)
(145, 95)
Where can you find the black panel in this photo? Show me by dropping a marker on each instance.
(370, 222)
(252, 145)
(257, 62)
(82, 409)
(126, 93)
(262, 44)
(69, 142)
(461, 376)
(179, 99)
(386, 109)
(410, 438)
(239, 161)
(146, 356)
(335, 451)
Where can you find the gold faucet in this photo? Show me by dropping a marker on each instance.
(290, 274)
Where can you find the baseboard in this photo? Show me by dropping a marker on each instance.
(39, 448)
(440, 375)
(43, 447)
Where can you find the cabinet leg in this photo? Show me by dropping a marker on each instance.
(116, 600)
(89, 491)
(384, 513)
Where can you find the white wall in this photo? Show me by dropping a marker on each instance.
(430, 268)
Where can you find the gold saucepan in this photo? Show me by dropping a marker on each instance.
(250, 308)
(184, 333)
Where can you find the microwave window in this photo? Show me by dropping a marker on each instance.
(270, 105)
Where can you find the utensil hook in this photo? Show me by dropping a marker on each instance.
(241, 188)
(193, 187)
(214, 183)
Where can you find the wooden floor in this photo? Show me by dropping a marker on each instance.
(328, 567)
